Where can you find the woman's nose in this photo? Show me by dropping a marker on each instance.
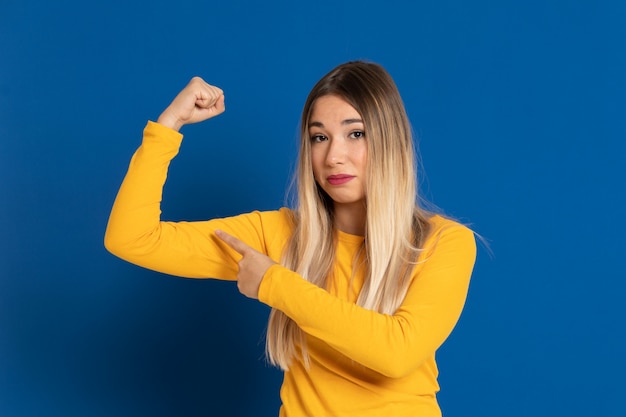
(336, 151)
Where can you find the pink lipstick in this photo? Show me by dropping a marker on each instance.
(339, 179)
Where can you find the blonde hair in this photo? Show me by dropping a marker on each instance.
(396, 226)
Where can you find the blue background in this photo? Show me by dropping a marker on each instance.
(520, 112)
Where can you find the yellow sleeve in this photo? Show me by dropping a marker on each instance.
(393, 345)
(136, 233)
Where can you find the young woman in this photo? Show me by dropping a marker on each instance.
(364, 284)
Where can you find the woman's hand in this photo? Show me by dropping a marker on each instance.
(197, 102)
(252, 266)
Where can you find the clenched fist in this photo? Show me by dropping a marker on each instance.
(197, 102)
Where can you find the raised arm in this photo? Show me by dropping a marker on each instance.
(135, 231)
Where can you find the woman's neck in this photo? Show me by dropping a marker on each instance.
(351, 218)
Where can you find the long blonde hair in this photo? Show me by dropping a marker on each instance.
(396, 226)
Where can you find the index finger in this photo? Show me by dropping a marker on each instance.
(232, 241)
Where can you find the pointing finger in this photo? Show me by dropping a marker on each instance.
(233, 242)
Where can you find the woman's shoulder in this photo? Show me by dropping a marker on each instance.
(277, 225)
(283, 218)
(268, 226)
(442, 226)
(267, 231)
(440, 221)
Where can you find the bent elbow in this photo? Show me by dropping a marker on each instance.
(117, 243)
(112, 243)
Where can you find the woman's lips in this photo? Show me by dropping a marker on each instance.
(339, 179)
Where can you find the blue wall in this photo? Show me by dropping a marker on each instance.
(520, 109)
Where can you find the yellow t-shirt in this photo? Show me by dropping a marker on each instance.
(362, 363)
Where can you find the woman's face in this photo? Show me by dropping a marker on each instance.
(338, 150)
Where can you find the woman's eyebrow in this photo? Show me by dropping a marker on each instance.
(343, 122)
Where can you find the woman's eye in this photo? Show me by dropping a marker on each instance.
(318, 138)
(357, 134)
